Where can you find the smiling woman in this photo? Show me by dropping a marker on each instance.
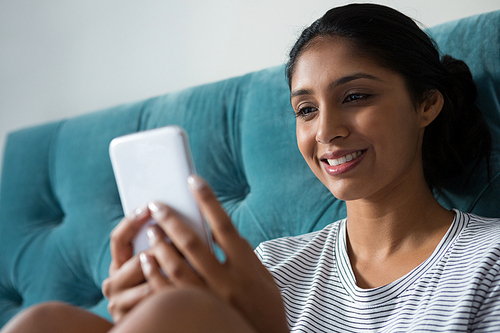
(413, 55)
(352, 107)
(381, 120)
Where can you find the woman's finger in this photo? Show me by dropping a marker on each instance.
(238, 251)
(121, 237)
(171, 261)
(225, 234)
(121, 303)
(127, 276)
(152, 272)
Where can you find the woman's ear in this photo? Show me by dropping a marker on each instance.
(431, 107)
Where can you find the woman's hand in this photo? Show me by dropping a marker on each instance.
(241, 281)
(126, 286)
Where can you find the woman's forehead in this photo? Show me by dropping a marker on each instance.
(333, 58)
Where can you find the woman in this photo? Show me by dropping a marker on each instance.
(381, 121)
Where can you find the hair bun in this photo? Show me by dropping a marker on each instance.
(465, 130)
(453, 65)
(459, 82)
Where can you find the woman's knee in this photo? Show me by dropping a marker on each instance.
(54, 317)
(36, 318)
(185, 310)
(185, 305)
(179, 300)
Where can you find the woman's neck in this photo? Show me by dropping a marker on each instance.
(392, 233)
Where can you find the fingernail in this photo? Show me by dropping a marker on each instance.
(158, 211)
(152, 235)
(145, 263)
(139, 213)
(195, 182)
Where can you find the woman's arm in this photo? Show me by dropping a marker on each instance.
(241, 280)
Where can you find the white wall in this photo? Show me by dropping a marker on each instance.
(60, 58)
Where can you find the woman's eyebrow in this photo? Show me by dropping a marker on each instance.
(300, 92)
(341, 81)
(356, 76)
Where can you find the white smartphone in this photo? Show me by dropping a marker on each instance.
(154, 165)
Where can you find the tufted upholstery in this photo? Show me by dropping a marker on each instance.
(59, 202)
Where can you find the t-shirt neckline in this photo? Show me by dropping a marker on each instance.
(375, 296)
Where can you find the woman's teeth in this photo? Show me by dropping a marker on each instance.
(344, 159)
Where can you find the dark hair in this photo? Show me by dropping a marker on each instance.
(459, 136)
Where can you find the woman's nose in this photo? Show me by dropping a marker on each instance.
(331, 125)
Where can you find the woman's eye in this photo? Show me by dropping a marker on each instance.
(355, 97)
(305, 111)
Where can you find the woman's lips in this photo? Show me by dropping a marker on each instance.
(339, 163)
(344, 159)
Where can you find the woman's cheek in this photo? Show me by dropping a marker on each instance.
(305, 140)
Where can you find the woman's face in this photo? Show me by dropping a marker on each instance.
(357, 127)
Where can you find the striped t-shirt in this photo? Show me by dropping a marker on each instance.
(457, 289)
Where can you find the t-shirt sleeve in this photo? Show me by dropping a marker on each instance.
(488, 316)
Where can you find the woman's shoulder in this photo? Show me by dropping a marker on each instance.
(479, 228)
(479, 239)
